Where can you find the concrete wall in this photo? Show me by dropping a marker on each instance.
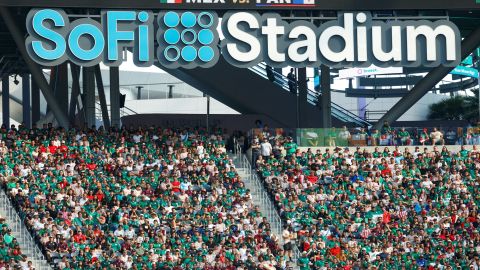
(230, 122)
(417, 112)
(196, 105)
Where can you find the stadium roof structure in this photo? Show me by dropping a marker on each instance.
(463, 13)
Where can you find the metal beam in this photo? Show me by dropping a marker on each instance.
(101, 96)
(61, 86)
(302, 97)
(35, 102)
(170, 90)
(89, 93)
(6, 100)
(326, 97)
(139, 92)
(115, 96)
(469, 44)
(75, 70)
(27, 120)
(33, 67)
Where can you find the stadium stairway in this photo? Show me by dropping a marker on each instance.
(260, 197)
(20, 232)
(249, 91)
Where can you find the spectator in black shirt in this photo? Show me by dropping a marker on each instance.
(292, 82)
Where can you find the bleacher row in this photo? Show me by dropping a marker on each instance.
(390, 208)
(135, 199)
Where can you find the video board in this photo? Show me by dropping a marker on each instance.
(254, 4)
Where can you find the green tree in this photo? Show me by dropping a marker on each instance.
(456, 108)
(448, 109)
(471, 106)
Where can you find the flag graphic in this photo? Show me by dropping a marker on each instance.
(170, 1)
(286, 3)
(303, 2)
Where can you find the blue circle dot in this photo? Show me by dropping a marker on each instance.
(189, 53)
(171, 19)
(171, 36)
(143, 16)
(206, 54)
(205, 19)
(205, 36)
(189, 19)
(189, 36)
(169, 50)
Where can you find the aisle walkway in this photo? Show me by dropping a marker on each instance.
(260, 197)
(19, 231)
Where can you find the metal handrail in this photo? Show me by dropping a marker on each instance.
(98, 111)
(312, 96)
(25, 237)
(259, 190)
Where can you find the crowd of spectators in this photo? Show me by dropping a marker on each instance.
(148, 198)
(11, 256)
(390, 208)
(390, 136)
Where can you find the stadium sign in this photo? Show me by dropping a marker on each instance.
(363, 72)
(190, 39)
(465, 71)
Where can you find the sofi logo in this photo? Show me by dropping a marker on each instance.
(185, 39)
(190, 39)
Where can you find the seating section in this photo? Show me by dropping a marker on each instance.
(136, 199)
(11, 256)
(390, 208)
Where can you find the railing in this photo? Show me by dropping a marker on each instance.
(374, 116)
(125, 111)
(259, 190)
(23, 236)
(263, 197)
(312, 96)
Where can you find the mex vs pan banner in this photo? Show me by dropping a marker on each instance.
(191, 39)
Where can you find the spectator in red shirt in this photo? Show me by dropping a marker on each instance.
(52, 148)
(79, 237)
(335, 251)
(312, 178)
(176, 186)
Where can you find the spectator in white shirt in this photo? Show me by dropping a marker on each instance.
(266, 149)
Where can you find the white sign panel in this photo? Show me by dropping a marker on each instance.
(372, 70)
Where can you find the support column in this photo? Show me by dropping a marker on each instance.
(361, 101)
(170, 90)
(208, 114)
(75, 70)
(61, 86)
(101, 97)
(115, 96)
(302, 97)
(33, 67)
(469, 44)
(89, 93)
(35, 102)
(26, 100)
(6, 101)
(139, 92)
(326, 98)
